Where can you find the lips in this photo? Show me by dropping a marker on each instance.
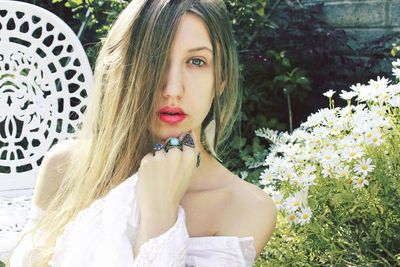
(171, 114)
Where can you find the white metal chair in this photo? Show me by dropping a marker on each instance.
(45, 77)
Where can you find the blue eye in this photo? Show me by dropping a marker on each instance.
(197, 62)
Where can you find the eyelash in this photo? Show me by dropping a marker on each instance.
(197, 59)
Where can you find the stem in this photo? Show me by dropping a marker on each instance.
(290, 114)
(83, 26)
(377, 255)
(380, 245)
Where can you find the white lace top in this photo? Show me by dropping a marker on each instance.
(104, 235)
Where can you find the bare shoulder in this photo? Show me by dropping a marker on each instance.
(52, 171)
(251, 212)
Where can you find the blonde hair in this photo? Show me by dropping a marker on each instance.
(131, 66)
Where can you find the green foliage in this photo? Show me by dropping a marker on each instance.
(395, 48)
(102, 15)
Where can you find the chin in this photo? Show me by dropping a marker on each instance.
(164, 132)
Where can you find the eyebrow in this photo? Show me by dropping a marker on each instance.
(200, 48)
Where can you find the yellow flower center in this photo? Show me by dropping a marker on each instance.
(295, 182)
(349, 181)
(352, 154)
(343, 174)
(327, 144)
(340, 136)
(331, 123)
(305, 216)
(317, 141)
(277, 202)
(375, 139)
(369, 135)
(292, 217)
(296, 204)
(360, 180)
(364, 167)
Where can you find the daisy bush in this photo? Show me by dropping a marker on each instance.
(336, 181)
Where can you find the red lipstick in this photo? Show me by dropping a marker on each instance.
(171, 114)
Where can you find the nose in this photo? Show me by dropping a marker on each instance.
(173, 87)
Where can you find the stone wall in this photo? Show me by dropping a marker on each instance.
(364, 21)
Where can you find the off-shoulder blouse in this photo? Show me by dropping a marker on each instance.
(104, 234)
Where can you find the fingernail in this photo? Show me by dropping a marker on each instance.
(198, 159)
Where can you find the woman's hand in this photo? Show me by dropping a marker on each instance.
(164, 177)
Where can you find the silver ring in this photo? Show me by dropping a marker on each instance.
(173, 142)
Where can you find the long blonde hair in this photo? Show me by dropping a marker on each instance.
(131, 66)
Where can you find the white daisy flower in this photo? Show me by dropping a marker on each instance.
(347, 95)
(350, 153)
(395, 101)
(269, 189)
(277, 198)
(327, 171)
(309, 169)
(347, 141)
(289, 174)
(329, 157)
(364, 167)
(329, 93)
(372, 136)
(293, 203)
(266, 177)
(379, 83)
(396, 72)
(305, 215)
(343, 171)
(308, 180)
(292, 218)
(366, 93)
(396, 63)
(357, 88)
(360, 182)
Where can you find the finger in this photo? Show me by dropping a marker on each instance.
(159, 153)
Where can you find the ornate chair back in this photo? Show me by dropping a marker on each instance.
(45, 77)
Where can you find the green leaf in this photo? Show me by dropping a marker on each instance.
(282, 78)
(303, 81)
(238, 142)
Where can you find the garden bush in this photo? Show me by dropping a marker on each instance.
(336, 183)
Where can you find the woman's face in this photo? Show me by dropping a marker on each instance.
(184, 101)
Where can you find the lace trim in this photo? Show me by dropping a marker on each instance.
(13, 213)
(170, 247)
(248, 250)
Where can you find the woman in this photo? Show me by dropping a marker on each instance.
(141, 186)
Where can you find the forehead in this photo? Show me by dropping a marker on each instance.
(192, 33)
